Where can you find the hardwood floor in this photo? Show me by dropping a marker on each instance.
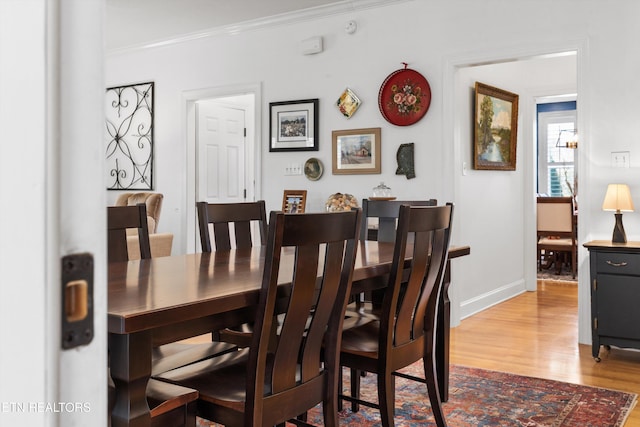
(536, 334)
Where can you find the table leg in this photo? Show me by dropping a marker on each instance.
(130, 366)
(442, 335)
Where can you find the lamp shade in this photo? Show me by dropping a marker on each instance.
(618, 198)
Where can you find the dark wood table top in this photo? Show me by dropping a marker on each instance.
(148, 294)
(161, 300)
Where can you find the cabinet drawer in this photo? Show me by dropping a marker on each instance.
(618, 263)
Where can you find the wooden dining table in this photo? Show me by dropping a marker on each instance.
(161, 300)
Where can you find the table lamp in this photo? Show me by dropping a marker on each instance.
(618, 199)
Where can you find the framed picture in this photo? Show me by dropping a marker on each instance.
(129, 137)
(293, 125)
(495, 128)
(356, 151)
(293, 201)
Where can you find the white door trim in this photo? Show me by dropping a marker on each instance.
(454, 156)
(254, 154)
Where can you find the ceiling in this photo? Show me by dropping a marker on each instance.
(140, 22)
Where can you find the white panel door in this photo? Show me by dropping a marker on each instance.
(220, 153)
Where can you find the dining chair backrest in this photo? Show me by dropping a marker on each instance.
(557, 230)
(387, 213)
(555, 216)
(302, 367)
(405, 312)
(121, 218)
(223, 215)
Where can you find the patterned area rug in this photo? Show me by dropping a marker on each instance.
(551, 274)
(479, 397)
(564, 275)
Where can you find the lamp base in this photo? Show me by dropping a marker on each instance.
(619, 236)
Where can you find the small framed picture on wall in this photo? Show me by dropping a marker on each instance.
(293, 125)
(356, 151)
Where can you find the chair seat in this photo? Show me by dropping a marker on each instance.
(549, 241)
(221, 380)
(169, 404)
(164, 397)
(361, 336)
(178, 354)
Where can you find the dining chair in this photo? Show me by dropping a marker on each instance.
(405, 330)
(223, 216)
(279, 378)
(556, 231)
(121, 218)
(238, 217)
(386, 211)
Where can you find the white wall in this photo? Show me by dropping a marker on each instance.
(432, 37)
(491, 204)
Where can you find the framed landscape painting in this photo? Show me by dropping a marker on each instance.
(495, 128)
(356, 151)
(293, 125)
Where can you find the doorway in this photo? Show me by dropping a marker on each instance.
(223, 163)
(557, 164)
(508, 240)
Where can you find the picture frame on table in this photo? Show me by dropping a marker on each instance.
(294, 201)
(495, 128)
(293, 125)
(356, 151)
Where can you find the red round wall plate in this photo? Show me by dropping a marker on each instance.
(404, 97)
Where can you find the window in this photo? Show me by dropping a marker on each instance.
(557, 125)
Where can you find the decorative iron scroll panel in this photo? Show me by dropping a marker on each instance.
(129, 137)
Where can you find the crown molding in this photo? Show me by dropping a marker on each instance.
(263, 23)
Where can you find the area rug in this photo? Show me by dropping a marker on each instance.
(479, 397)
(551, 275)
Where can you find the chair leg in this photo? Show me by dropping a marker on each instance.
(386, 398)
(340, 389)
(355, 389)
(433, 390)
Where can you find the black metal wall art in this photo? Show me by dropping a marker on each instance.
(129, 137)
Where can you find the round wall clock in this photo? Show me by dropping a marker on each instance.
(405, 96)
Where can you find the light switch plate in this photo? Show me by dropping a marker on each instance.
(620, 159)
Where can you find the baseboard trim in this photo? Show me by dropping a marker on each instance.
(482, 302)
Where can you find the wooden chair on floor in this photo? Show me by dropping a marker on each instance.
(238, 215)
(275, 380)
(557, 231)
(119, 219)
(386, 211)
(405, 331)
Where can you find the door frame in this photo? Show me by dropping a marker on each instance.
(455, 156)
(253, 152)
(53, 108)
